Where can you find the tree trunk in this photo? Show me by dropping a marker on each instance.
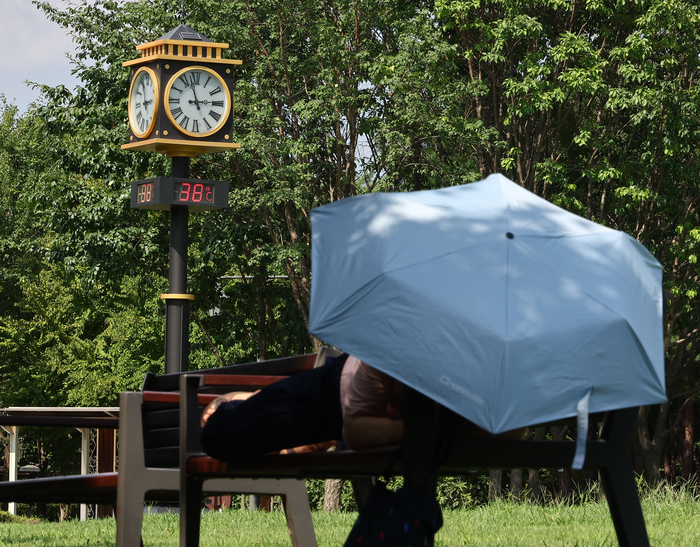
(533, 475)
(534, 485)
(495, 479)
(63, 512)
(565, 483)
(331, 494)
(564, 475)
(668, 461)
(688, 441)
(652, 442)
(516, 484)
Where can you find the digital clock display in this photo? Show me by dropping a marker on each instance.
(144, 193)
(163, 192)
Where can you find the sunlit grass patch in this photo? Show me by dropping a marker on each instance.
(672, 517)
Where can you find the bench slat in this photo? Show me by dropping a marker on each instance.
(158, 438)
(165, 457)
(174, 397)
(247, 380)
(284, 366)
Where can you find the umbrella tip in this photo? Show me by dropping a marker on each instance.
(509, 235)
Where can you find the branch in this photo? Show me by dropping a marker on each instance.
(211, 345)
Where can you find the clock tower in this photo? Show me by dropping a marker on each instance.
(180, 104)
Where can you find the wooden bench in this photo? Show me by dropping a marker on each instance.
(149, 455)
(422, 460)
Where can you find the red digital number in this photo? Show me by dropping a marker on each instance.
(145, 193)
(197, 192)
(185, 191)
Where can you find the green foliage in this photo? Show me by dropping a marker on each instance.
(7, 517)
(452, 492)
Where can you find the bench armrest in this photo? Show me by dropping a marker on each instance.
(190, 443)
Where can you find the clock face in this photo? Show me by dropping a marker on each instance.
(197, 101)
(143, 102)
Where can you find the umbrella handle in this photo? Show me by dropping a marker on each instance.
(582, 434)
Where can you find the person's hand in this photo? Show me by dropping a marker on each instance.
(233, 396)
(309, 448)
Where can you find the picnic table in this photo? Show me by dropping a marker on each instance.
(104, 419)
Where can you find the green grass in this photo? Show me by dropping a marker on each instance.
(672, 521)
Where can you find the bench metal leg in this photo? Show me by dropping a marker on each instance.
(135, 479)
(129, 517)
(420, 444)
(617, 475)
(361, 489)
(190, 511)
(299, 523)
(420, 441)
(623, 500)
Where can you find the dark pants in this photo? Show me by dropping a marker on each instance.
(302, 409)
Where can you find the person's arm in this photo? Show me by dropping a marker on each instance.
(370, 431)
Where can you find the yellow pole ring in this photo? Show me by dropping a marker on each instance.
(175, 296)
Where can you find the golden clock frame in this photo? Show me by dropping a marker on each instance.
(156, 102)
(166, 103)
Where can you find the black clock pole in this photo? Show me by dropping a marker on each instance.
(177, 311)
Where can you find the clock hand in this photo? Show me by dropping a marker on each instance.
(196, 102)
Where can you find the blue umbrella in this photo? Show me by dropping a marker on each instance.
(491, 301)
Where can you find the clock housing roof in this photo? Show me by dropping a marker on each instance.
(182, 43)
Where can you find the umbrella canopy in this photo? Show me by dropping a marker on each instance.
(491, 301)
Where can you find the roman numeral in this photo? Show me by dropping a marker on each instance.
(206, 123)
(138, 105)
(177, 89)
(142, 125)
(195, 126)
(215, 115)
(218, 103)
(183, 123)
(194, 76)
(217, 90)
(173, 100)
(139, 116)
(208, 80)
(183, 79)
(177, 112)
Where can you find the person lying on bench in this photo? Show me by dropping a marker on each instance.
(345, 399)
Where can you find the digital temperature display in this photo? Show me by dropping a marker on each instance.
(196, 193)
(163, 192)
